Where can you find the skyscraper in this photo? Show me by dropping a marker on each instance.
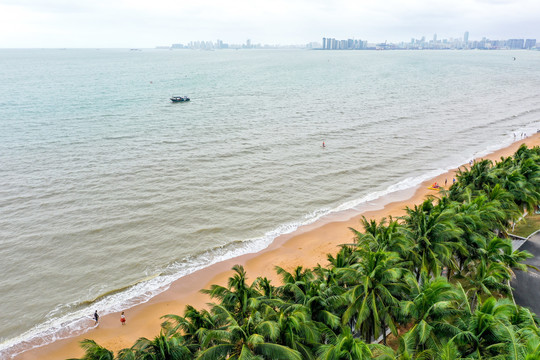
(515, 43)
(466, 37)
(530, 43)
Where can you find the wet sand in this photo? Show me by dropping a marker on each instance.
(308, 246)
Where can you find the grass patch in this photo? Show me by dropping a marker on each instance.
(527, 226)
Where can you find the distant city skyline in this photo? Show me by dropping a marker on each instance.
(431, 44)
(328, 43)
(145, 24)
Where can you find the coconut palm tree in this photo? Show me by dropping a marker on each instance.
(376, 287)
(345, 257)
(433, 302)
(297, 330)
(236, 295)
(162, 347)
(321, 295)
(526, 196)
(484, 331)
(385, 235)
(192, 326)
(345, 347)
(475, 177)
(127, 354)
(252, 339)
(93, 351)
(265, 288)
(505, 202)
(487, 279)
(299, 275)
(434, 235)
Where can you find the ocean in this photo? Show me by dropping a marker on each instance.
(109, 192)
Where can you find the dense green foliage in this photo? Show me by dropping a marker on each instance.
(437, 279)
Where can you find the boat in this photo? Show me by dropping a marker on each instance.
(435, 186)
(179, 99)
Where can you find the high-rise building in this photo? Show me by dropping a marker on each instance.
(530, 43)
(434, 38)
(466, 37)
(515, 43)
(324, 43)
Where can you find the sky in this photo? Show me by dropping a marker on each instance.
(151, 23)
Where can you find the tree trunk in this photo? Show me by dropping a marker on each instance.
(383, 333)
(511, 292)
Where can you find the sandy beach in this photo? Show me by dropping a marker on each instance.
(308, 246)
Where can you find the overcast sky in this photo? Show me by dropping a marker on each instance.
(150, 23)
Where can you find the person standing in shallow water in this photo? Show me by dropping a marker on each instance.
(123, 318)
(96, 317)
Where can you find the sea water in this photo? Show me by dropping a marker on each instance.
(109, 192)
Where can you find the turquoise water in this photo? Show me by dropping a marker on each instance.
(108, 192)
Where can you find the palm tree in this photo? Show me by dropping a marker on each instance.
(265, 287)
(475, 178)
(297, 330)
(236, 295)
(526, 196)
(377, 285)
(506, 204)
(251, 339)
(345, 347)
(320, 295)
(433, 234)
(473, 217)
(345, 257)
(192, 325)
(500, 251)
(298, 286)
(127, 354)
(448, 351)
(484, 331)
(488, 278)
(381, 236)
(530, 169)
(298, 275)
(162, 347)
(93, 351)
(433, 302)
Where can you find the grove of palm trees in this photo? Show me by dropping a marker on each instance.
(432, 284)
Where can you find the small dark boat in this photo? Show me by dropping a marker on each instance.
(179, 99)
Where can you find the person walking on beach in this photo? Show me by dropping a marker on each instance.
(96, 317)
(123, 318)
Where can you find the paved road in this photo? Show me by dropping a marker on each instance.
(527, 285)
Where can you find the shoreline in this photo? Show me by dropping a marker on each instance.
(306, 246)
